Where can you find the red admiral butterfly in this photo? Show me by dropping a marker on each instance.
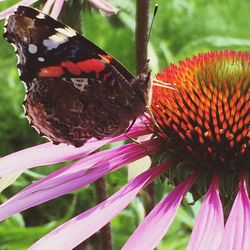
(75, 90)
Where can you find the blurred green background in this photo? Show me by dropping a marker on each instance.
(182, 28)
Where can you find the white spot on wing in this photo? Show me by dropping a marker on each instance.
(32, 48)
(18, 59)
(19, 71)
(26, 89)
(40, 59)
(24, 108)
(79, 83)
(5, 24)
(46, 137)
(14, 46)
(55, 40)
(40, 16)
(37, 130)
(24, 99)
(67, 31)
(29, 121)
(49, 44)
(25, 113)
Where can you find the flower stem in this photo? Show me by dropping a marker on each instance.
(141, 33)
(142, 17)
(151, 196)
(105, 232)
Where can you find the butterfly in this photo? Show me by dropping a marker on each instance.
(75, 90)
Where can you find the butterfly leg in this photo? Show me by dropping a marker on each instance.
(133, 140)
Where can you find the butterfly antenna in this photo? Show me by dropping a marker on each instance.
(152, 22)
(149, 34)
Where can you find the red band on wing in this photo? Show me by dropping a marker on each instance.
(87, 66)
(91, 65)
(71, 67)
(52, 71)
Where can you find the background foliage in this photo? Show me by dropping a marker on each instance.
(182, 28)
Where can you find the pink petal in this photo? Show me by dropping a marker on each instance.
(57, 8)
(149, 233)
(74, 176)
(104, 6)
(10, 10)
(73, 232)
(44, 154)
(47, 6)
(209, 221)
(48, 153)
(237, 230)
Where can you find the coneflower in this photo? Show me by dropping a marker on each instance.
(203, 129)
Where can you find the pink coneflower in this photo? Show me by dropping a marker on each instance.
(54, 7)
(203, 126)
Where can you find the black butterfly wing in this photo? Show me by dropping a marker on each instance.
(48, 48)
(76, 91)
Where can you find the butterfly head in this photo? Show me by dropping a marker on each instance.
(143, 83)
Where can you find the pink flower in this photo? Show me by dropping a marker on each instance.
(54, 7)
(203, 126)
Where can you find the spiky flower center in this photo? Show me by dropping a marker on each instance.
(206, 121)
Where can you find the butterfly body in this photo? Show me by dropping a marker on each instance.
(75, 90)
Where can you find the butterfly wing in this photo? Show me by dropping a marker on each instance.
(48, 48)
(75, 90)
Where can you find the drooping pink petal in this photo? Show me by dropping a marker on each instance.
(149, 233)
(57, 8)
(48, 153)
(209, 225)
(104, 6)
(237, 230)
(10, 10)
(74, 176)
(76, 230)
(44, 154)
(47, 6)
